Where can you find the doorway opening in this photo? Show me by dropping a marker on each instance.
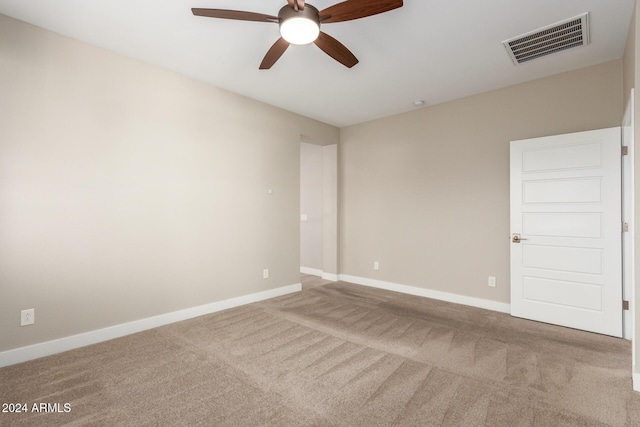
(319, 209)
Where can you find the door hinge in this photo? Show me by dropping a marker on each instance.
(625, 227)
(625, 305)
(625, 150)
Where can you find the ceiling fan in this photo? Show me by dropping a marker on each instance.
(300, 24)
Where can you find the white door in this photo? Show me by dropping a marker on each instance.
(566, 268)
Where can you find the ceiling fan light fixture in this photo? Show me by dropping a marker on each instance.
(299, 30)
(299, 26)
(299, 23)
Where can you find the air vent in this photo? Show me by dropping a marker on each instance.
(573, 32)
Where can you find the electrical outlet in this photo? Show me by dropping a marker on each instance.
(492, 281)
(27, 317)
(265, 273)
(376, 265)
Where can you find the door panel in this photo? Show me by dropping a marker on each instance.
(566, 205)
(562, 191)
(563, 293)
(568, 225)
(565, 259)
(564, 157)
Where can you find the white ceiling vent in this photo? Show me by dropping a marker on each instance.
(573, 32)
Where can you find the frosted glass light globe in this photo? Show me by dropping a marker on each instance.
(299, 30)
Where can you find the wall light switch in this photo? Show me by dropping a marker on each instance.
(303, 217)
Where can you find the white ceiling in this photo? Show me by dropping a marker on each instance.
(431, 50)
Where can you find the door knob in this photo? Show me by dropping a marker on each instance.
(516, 238)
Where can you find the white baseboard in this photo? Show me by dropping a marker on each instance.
(428, 293)
(636, 380)
(311, 271)
(316, 272)
(330, 276)
(35, 351)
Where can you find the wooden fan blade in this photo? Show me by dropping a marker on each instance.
(274, 53)
(356, 9)
(299, 6)
(336, 50)
(234, 14)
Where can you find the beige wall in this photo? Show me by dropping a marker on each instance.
(426, 194)
(127, 191)
(330, 233)
(629, 59)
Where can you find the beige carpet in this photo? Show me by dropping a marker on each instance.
(337, 354)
